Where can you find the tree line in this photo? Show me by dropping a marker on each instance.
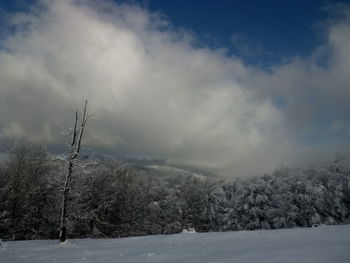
(108, 199)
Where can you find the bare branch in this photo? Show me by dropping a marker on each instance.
(82, 126)
(74, 149)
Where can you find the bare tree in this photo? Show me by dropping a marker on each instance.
(74, 148)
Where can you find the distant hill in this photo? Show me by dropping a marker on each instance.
(151, 166)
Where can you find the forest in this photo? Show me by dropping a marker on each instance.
(110, 200)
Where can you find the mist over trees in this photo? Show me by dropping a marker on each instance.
(108, 199)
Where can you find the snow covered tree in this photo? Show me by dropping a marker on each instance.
(74, 149)
(24, 194)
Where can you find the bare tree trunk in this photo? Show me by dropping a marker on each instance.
(63, 228)
(74, 149)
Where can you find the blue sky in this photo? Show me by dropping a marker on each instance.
(273, 29)
(242, 86)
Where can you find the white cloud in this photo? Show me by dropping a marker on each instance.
(152, 92)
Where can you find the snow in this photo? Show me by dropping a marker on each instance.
(329, 244)
(189, 231)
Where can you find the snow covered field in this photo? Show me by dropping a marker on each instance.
(329, 244)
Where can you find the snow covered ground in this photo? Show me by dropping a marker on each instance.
(329, 244)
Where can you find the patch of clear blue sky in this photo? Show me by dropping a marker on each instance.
(260, 32)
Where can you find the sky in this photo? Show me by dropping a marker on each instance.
(260, 32)
(235, 87)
